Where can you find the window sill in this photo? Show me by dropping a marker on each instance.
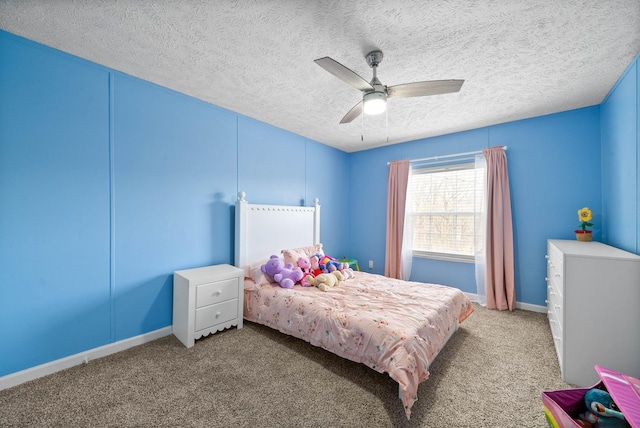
(444, 256)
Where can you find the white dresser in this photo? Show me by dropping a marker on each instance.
(593, 306)
(206, 300)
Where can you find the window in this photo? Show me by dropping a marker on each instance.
(444, 201)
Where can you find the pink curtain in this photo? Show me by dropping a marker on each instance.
(396, 196)
(499, 276)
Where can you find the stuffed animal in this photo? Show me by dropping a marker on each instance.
(325, 281)
(288, 276)
(347, 272)
(305, 265)
(602, 412)
(315, 265)
(327, 263)
(285, 275)
(273, 266)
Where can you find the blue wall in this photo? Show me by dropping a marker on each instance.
(54, 206)
(109, 183)
(554, 170)
(620, 161)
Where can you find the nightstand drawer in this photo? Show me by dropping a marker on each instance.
(216, 314)
(216, 292)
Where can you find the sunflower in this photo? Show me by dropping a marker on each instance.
(584, 216)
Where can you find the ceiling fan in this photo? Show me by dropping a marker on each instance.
(375, 94)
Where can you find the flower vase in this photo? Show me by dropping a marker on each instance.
(584, 235)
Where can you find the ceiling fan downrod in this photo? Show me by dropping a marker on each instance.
(374, 59)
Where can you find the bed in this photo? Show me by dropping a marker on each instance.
(392, 326)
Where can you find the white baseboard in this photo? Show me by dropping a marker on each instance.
(532, 308)
(519, 305)
(84, 357)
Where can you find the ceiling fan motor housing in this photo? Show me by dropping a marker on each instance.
(374, 58)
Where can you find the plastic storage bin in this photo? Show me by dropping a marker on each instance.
(563, 406)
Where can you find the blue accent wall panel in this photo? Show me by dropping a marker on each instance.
(460, 142)
(271, 167)
(175, 181)
(278, 167)
(327, 178)
(54, 205)
(620, 160)
(368, 172)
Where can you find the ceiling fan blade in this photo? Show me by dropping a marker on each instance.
(355, 111)
(344, 74)
(421, 89)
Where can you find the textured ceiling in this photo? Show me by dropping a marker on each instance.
(519, 58)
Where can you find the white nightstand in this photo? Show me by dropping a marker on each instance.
(206, 300)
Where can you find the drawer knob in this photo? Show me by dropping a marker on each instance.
(217, 293)
(218, 314)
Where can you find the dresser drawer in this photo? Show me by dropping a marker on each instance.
(555, 268)
(216, 314)
(216, 292)
(556, 334)
(554, 304)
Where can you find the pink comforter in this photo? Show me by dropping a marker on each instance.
(390, 325)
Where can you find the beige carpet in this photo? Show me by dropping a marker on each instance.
(490, 374)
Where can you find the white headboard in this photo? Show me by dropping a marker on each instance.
(263, 230)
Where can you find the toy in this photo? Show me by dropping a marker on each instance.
(324, 281)
(285, 275)
(315, 265)
(602, 412)
(346, 271)
(327, 263)
(272, 267)
(288, 276)
(305, 265)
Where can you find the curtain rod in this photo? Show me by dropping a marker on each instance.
(477, 152)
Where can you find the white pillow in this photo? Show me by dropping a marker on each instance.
(254, 272)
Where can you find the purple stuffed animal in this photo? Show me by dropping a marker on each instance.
(273, 266)
(285, 275)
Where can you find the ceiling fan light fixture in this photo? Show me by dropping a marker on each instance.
(374, 102)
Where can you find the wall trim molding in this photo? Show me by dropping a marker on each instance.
(519, 305)
(84, 357)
